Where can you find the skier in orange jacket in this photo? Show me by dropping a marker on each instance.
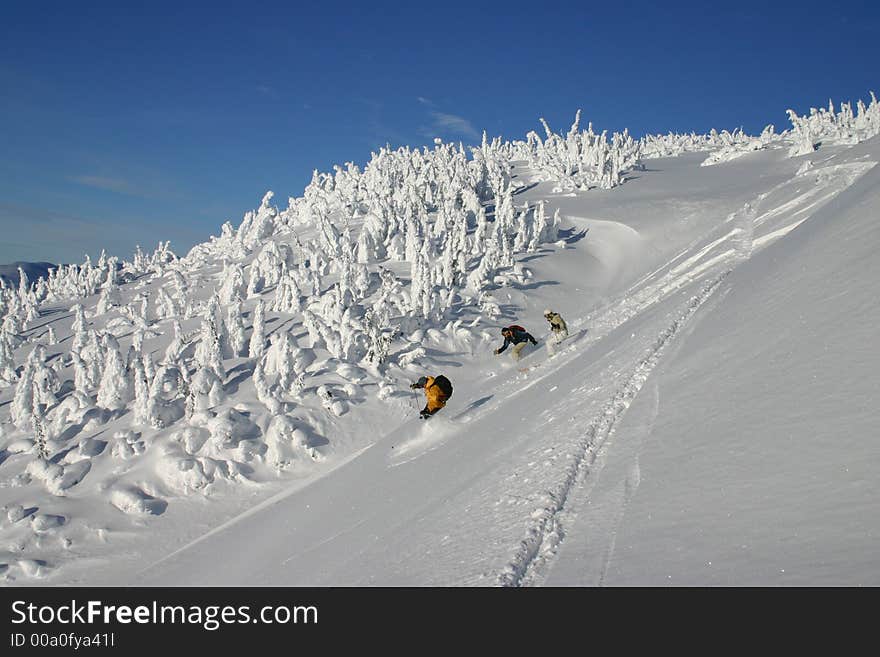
(437, 391)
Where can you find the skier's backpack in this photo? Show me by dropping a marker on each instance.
(516, 327)
(444, 384)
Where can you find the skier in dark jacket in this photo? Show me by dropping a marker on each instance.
(518, 337)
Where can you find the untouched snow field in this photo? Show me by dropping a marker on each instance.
(709, 420)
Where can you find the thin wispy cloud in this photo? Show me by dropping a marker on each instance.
(454, 124)
(444, 122)
(117, 185)
(13, 213)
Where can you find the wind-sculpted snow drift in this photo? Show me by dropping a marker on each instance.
(266, 356)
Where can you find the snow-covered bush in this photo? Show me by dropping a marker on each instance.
(830, 126)
(580, 159)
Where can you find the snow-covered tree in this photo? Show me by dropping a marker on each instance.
(8, 375)
(114, 391)
(264, 391)
(35, 389)
(232, 287)
(209, 353)
(257, 344)
(141, 393)
(234, 332)
(206, 390)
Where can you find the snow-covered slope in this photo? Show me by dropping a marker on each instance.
(719, 365)
(751, 457)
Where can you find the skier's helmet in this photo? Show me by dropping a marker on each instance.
(547, 312)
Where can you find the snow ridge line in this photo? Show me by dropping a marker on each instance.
(546, 533)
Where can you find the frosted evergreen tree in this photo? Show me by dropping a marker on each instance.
(8, 375)
(279, 360)
(175, 348)
(149, 367)
(366, 246)
(234, 330)
(79, 328)
(22, 408)
(233, 284)
(802, 133)
(287, 298)
(109, 298)
(166, 306)
(143, 313)
(12, 322)
(37, 386)
(157, 403)
(315, 280)
(539, 227)
(206, 390)
(522, 237)
(362, 280)
(38, 426)
(481, 233)
(141, 393)
(81, 379)
(265, 394)
(379, 340)
(344, 285)
(209, 350)
(24, 285)
(396, 248)
(26, 297)
(352, 334)
(180, 293)
(114, 391)
(257, 344)
(93, 357)
(137, 340)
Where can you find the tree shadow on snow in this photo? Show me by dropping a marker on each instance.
(32, 329)
(571, 237)
(313, 438)
(91, 414)
(542, 253)
(231, 387)
(533, 286)
(153, 505)
(526, 188)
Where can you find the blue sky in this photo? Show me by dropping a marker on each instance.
(129, 124)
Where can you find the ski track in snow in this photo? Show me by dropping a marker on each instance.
(630, 486)
(543, 538)
(544, 534)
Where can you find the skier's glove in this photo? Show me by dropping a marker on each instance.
(497, 352)
(413, 386)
